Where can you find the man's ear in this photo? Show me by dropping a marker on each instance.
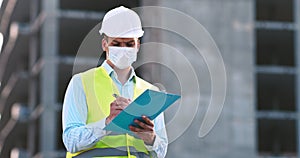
(138, 44)
(104, 45)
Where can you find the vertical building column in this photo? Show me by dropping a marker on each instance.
(33, 91)
(152, 35)
(49, 48)
(297, 51)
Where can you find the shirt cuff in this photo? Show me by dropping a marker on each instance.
(155, 145)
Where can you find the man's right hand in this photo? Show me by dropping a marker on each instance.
(116, 107)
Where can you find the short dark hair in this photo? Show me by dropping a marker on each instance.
(105, 37)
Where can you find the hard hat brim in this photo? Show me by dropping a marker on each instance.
(131, 34)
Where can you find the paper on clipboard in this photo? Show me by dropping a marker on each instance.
(150, 103)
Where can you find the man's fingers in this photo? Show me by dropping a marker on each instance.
(148, 121)
(136, 129)
(145, 126)
(120, 100)
(115, 109)
(115, 106)
(147, 136)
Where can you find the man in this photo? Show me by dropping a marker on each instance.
(89, 104)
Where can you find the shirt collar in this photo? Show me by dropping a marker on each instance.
(110, 71)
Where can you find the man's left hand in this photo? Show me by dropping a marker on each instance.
(145, 131)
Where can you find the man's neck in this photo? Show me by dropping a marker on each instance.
(123, 74)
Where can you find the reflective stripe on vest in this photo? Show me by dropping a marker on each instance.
(98, 88)
(105, 152)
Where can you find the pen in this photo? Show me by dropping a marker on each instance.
(115, 95)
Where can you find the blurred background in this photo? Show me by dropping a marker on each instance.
(258, 40)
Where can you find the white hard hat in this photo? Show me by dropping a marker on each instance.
(121, 22)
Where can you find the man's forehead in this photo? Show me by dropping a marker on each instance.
(122, 39)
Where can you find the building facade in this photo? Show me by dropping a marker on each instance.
(257, 39)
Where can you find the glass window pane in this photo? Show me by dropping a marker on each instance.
(71, 34)
(275, 47)
(277, 137)
(274, 10)
(276, 92)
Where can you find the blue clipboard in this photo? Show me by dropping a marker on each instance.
(150, 103)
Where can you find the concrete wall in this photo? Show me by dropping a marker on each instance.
(230, 23)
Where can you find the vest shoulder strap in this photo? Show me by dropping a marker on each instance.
(98, 88)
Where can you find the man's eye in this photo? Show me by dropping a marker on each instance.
(129, 44)
(116, 44)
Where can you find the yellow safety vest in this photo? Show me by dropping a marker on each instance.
(98, 88)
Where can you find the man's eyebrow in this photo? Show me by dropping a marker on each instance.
(115, 41)
(125, 42)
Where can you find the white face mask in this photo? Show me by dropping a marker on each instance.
(122, 57)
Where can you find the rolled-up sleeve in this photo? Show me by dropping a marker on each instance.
(77, 135)
(160, 144)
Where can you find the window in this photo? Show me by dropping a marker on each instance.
(275, 47)
(276, 84)
(274, 10)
